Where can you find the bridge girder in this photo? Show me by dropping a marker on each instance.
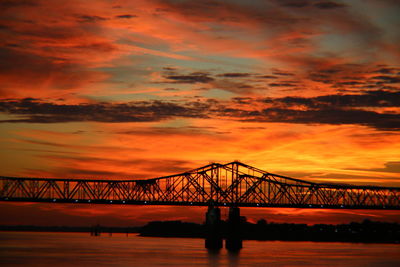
(232, 184)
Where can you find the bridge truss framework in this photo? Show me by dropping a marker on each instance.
(234, 184)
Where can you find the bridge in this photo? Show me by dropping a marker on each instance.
(233, 184)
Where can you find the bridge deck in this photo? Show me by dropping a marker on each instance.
(232, 184)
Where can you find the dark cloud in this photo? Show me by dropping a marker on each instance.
(282, 73)
(253, 128)
(350, 83)
(267, 77)
(330, 116)
(351, 179)
(4, 28)
(295, 3)
(281, 84)
(42, 112)
(90, 18)
(169, 68)
(391, 166)
(386, 70)
(328, 5)
(357, 76)
(378, 98)
(243, 100)
(329, 109)
(387, 79)
(230, 81)
(195, 77)
(126, 16)
(17, 3)
(234, 75)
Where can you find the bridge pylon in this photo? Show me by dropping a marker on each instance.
(213, 228)
(234, 237)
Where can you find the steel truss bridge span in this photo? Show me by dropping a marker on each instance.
(234, 184)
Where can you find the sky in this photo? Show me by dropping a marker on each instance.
(146, 88)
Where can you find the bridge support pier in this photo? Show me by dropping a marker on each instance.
(213, 231)
(234, 237)
(95, 230)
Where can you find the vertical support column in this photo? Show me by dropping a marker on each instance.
(96, 230)
(234, 236)
(213, 231)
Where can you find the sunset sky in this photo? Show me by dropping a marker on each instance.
(145, 88)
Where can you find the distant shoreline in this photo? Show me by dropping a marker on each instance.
(366, 232)
(66, 229)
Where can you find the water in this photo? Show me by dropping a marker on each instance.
(80, 249)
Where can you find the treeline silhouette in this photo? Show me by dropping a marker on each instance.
(366, 232)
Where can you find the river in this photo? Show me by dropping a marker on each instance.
(81, 249)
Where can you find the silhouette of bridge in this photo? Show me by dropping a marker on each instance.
(233, 185)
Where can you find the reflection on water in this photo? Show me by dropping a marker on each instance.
(223, 258)
(80, 249)
(233, 258)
